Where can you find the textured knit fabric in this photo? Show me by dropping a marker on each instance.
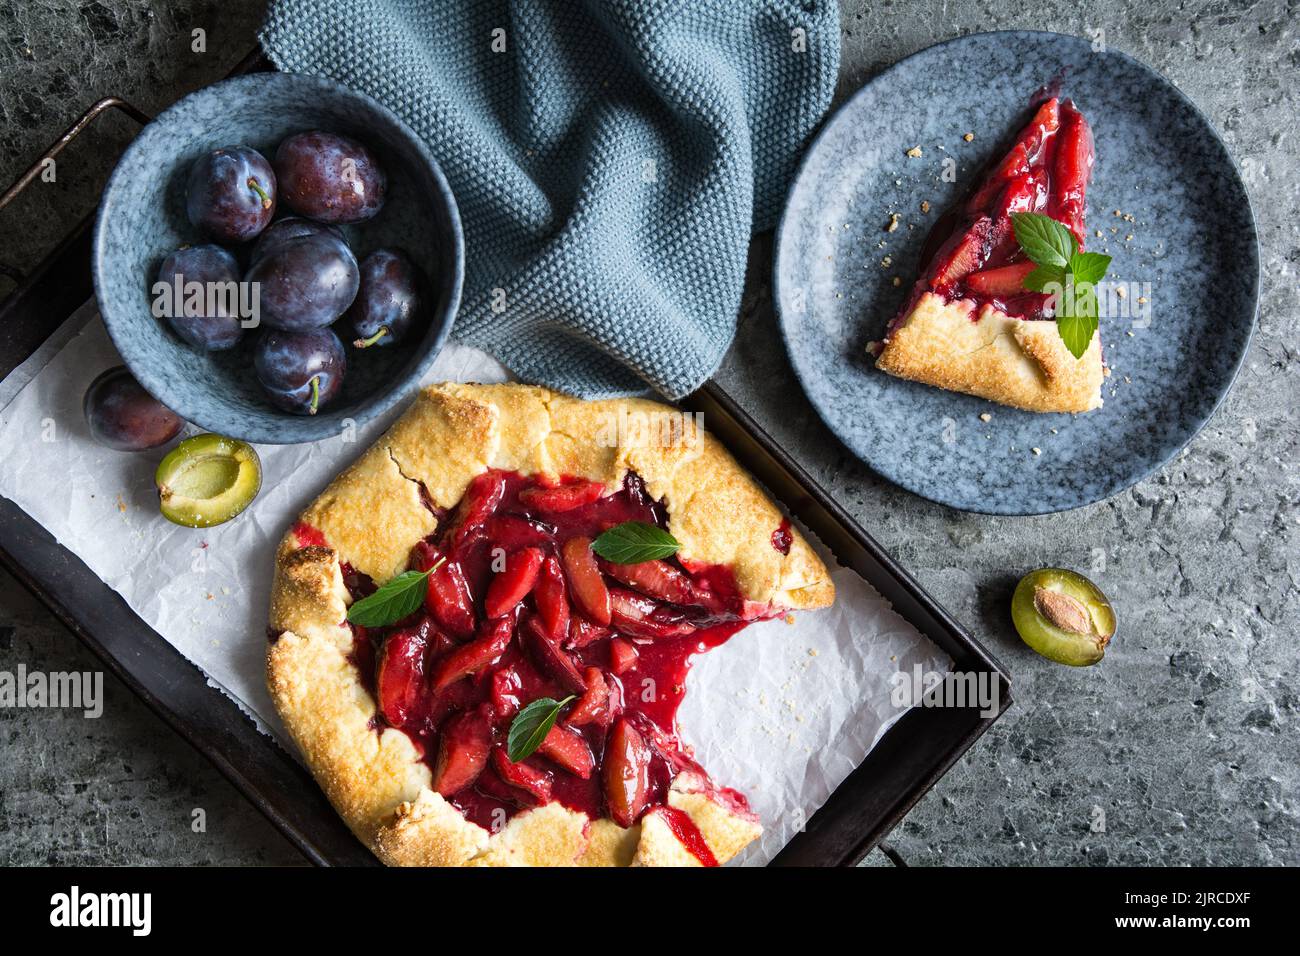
(610, 160)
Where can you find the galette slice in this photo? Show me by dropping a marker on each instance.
(569, 560)
(970, 325)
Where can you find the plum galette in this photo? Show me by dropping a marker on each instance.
(481, 630)
(974, 322)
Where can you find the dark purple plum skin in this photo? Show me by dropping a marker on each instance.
(389, 298)
(286, 362)
(122, 415)
(329, 177)
(306, 283)
(219, 199)
(283, 230)
(204, 264)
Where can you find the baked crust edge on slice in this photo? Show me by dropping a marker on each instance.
(372, 514)
(1012, 361)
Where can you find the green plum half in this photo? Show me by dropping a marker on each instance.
(1063, 616)
(207, 480)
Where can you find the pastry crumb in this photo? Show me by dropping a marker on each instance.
(925, 205)
(968, 137)
(1036, 451)
(893, 222)
(812, 652)
(986, 417)
(897, 282)
(1121, 292)
(914, 152)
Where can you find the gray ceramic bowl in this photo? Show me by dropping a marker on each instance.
(142, 219)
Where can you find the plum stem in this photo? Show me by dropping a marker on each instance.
(254, 185)
(366, 343)
(315, 394)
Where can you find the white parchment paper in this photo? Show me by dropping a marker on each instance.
(791, 708)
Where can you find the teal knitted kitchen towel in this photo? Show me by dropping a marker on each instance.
(610, 159)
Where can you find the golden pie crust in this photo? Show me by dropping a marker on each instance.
(373, 514)
(1005, 359)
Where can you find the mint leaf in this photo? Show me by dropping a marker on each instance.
(1063, 267)
(1040, 278)
(633, 542)
(1089, 267)
(394, 600)
(1045, 241)
(1077, 330)
(531, 725)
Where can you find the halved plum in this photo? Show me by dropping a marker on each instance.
(207, 480)
(1063, 616)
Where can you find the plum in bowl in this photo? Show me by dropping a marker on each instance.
(143, 219)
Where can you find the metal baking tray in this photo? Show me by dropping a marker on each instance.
(902, 767)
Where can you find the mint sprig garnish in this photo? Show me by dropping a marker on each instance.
(1044, 240)
(531, 725)
(1066, 272)
(635, 541)
(395, 599)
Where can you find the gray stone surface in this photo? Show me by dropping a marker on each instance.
(1180, 748)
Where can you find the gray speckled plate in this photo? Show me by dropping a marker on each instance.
(1192, 253)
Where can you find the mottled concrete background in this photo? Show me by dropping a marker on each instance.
(1180, 748)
